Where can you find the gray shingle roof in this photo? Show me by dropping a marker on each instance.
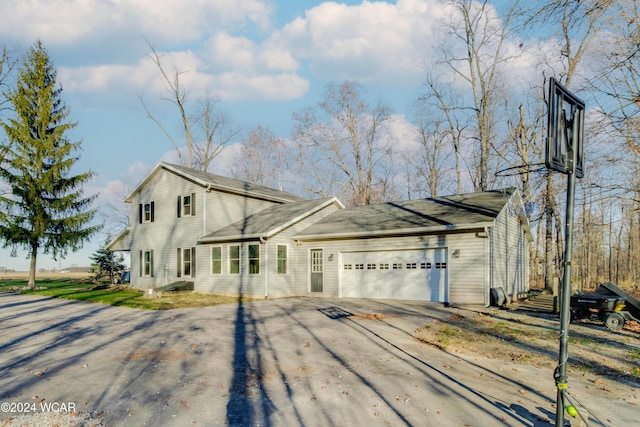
(268, 221)
(461, 211)
(223, 183)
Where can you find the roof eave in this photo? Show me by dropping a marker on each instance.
(304, 215)
(119, 237)
(231, 238)
(270, 233)
(396, 232)
(205, 184)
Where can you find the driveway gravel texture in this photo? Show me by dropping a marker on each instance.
(280, 362)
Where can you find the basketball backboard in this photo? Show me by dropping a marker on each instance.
(565, 131)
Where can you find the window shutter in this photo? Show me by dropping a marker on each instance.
(152, 209)
(140, 213)
(193, 262)
(193, 204)
(141, 262)
(179, 264)
(179, 205)
(151, 255)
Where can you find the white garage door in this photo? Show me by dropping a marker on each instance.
(411, 274)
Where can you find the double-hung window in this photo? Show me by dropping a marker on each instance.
(146, 263)
(253, 254)
(186, 205)
(146, 212)
(234, 259)
(282, 259)
(216, 260)
(186, 261)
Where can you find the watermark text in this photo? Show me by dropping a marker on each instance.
(28, 407)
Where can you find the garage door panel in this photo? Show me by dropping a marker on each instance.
(413, 275)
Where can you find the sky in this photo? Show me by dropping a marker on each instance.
(263, 60)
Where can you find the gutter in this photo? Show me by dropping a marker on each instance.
(396, 232)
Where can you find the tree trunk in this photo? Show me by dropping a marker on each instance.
(548, 240)
(31, 283)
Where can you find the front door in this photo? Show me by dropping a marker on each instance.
(316, 270)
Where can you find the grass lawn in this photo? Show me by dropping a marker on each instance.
(115, 295)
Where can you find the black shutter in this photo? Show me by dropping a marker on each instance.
(152, 209)
(179, 206)
(151, 257)
(193, 204)
(141, 262)
(179, 267)
(193, 262)
(140, 213)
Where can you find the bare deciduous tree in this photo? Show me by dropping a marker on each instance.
(261, 159)
(575, 24)
(214, 130)
(206, 130)
(440, 110)
(437, 135)
(341, 145)
(475, 53)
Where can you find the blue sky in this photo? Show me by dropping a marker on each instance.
(264, 59)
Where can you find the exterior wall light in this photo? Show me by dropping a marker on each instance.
(456, 253)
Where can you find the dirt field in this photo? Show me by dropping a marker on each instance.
(24, 275)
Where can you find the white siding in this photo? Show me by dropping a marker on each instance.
(509, 248)
(167, 232)
(466, 273)
(268, 283)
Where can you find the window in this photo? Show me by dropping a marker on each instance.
(397, 266)
(371, 266)
(146, 263)
(411, 265)
(359, 266)
(441, 265)
(384, 266)
(146, 212)
(282, 259)
(216, 260)
(186, 262)
(425, 265)
(234, 259)
(186, 205)
(348, 267)
(254, 259)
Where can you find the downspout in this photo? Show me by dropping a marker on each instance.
(487, 292)
(263, 241)
(204, 210)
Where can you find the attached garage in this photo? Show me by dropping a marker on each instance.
(405, 274)
(451, 249)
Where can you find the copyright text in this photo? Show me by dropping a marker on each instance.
(27, 407)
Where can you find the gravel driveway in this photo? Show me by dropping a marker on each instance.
(283, 362)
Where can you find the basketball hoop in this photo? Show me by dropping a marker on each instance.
(565, 131)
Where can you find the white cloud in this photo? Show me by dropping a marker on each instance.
(371, 42)
(68, 21)
(402, 133)
(238, 83)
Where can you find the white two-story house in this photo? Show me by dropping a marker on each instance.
(231, 237)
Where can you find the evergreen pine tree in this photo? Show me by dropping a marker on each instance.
(45, 209)
(107, 263)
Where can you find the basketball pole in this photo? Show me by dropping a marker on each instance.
(565, 290)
